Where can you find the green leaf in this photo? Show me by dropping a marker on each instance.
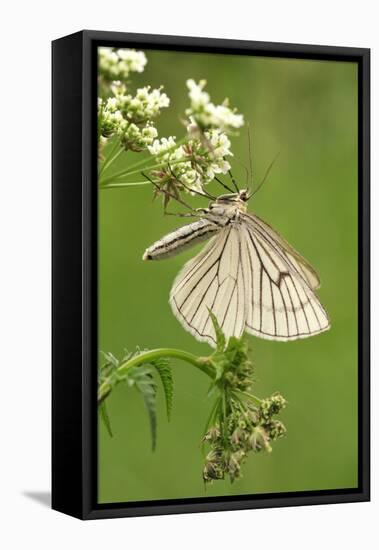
(143, 379)
(164, 371)
(110, 358)
(220, 364)
(105, 418)
(220, 336)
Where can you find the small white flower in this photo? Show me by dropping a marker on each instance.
(198, 97)
(112, 104)
(163, 101)
(135, 103)
(133, 130)
(150, 132)
(162, 146)
(222, 167)
(135, 60)
(143, 93)
(149, 102)
(155, 148)
(117, 116)
(206, 115)
(119, 64)
(179, 154)
(219, 143)
(223, 117)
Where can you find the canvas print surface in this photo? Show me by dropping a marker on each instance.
(227, 275)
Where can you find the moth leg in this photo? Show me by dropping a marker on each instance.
(203, 210)
(182, 214)
(167, 193)
(202, 193)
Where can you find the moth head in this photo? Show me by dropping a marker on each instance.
(244, 195)
(233, 198)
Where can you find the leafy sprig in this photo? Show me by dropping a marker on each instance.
(141, 377)
(239, 422)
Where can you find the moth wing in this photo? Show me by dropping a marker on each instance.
(250, 281)
(299, 263)
(283, 305)
(214, 280)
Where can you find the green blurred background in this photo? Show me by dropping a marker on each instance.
(307, 111)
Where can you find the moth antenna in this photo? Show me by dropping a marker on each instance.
(265, 176)
(223, 184)
(246, 170)
(250, 154)
(233, 181)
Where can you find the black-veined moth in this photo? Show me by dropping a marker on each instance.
(247, 275)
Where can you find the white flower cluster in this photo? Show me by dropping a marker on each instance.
(206, 115)
(118, 64)
(146, 103)
(131, 117)
(162, 146)
(191, 166)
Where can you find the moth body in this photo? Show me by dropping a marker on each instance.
(181, 239)
(219, 214)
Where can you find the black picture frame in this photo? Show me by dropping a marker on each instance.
(74, 272)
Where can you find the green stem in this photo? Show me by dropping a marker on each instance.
(111, 157)
(202, 363)
(124, 184)
(223, 429)
(212, 414)
(125, 173)
(115, 157)
(146, 160)
(152, 158)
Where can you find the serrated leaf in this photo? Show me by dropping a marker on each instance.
(165, 374)
(110, 358)
(220, 336)
(104, 371)
(105, 417)
(144, 382)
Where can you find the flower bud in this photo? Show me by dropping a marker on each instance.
(212, 434)
(275, 429)
(259, 440)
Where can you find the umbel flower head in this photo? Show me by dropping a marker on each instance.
(191, 165)
(206, 115)
(117, 64)
(131, 118)
(243, 430)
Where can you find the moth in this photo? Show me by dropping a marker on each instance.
(247, 275)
